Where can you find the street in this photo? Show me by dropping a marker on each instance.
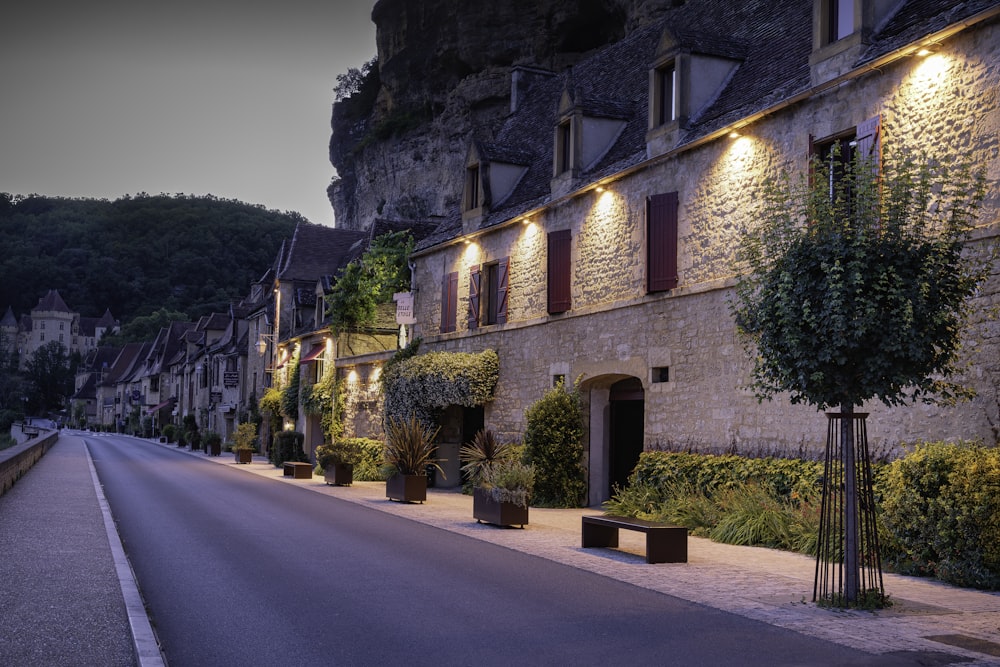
(236, 569)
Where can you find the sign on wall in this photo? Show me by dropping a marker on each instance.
(404, 308)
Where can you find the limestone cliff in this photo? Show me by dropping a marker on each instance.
(443, 77)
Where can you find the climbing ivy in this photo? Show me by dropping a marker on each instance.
(425, 384)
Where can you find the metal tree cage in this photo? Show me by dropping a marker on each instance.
(848, 561)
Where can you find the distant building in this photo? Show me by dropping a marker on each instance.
(52, 320)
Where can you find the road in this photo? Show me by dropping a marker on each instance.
(240, 570)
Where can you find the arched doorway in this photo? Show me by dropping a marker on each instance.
(626, 430)
(616, 426)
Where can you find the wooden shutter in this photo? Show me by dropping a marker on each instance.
(869, 141)
(661, 240)
(475, 281)
(449, 300)
(503, 284)
(560, 244)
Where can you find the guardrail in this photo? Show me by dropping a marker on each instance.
(16, 460)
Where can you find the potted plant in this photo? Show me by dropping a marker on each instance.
(338, 459)
(243, 442)
(503, 493)
(409, 450)
(213, 443)
(501, 484)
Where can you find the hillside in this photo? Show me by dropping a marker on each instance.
(137, 254)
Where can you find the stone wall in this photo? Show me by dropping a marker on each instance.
(946, 104)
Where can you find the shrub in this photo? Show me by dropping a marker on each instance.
(941, 513)
(211, 439)
(288, 447)
(709, 472)
(245, 436)
(170, 432)
(553, 443)
(369, 465)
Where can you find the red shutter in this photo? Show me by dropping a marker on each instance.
(560, 244)
(474, 284)
(503, 286)
(449, 299)
(661, 239)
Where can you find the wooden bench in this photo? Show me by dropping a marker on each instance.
(664, 544)
(297, 469)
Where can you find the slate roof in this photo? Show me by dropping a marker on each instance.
(772, 40)
(52, 302)
(313, 250)
(8, 319)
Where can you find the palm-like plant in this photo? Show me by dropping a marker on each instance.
(409, 446)
(481, 453)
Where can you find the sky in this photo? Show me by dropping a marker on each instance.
(219, 97)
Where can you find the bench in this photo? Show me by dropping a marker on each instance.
(664, 544)
(297, 469)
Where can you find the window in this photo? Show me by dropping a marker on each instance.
(837, 152)
(661, 374)
(559, 258)
(449, 301)
(472, 180)
(488, 287)
(661, 242)
(665, 89)
(839, 19)
(154, 383)
(564, 145)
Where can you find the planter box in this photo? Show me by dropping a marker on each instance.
(406, 488)
(214, 449)
(243, 455)
(485, 508)
(339, 474)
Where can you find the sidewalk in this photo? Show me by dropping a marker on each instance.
(61, 589)
(764, 584)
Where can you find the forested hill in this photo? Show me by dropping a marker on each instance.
(135, 255)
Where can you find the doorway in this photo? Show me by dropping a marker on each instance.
(626, 428)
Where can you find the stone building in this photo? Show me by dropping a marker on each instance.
(594, 239)
(52, 320)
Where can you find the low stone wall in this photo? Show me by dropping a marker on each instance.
(15, 461)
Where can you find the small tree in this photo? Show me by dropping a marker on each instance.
(367, 282)
(553, 444)
(856, 288)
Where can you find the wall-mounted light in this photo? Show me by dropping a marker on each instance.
(262, 342)
(735, 134)
(927, 49)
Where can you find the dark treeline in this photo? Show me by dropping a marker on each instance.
(135, 255)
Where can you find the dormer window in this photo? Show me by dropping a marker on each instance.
(665, 93)
(564, 147)
(838, 16)
(472, 180)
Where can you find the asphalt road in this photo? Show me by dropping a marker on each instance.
(240, 570)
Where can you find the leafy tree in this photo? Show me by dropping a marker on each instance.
(49, 377)
(367, 282)
(856, 288)
(144, 328)
(553, 444)
(867, 300)
(138, 254)
(356, 80)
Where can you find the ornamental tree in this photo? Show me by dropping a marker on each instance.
(857, 285)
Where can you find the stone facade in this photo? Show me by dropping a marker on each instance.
(681, 344)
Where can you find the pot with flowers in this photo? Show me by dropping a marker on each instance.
(409, 451)
(501, 484)
(338, 460)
